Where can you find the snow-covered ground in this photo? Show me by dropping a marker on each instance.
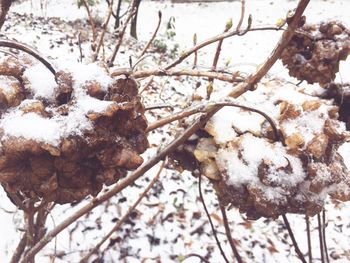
(170, 223)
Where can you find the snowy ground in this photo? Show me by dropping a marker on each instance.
(170, 222)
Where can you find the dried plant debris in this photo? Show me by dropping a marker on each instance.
(315, 51)
(341, 95)
(64, 136)
(266, 178)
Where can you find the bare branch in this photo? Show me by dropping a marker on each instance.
(228, 234)
(218, 48)
(213, 40)
(196, 52)
(20, 249)
(154, 34)
(207, 108)
(276, 53)
(132, 12)
(320, 236)
(104, 30)
(29, 50)
(295, 244)
(324, 225)
(309, 246)
(120, 186)
(91, 21)
(242, 15)
(5, 6)
(125, 217)
(234, 77)
(209, 218)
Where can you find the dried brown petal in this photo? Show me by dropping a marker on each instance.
(317, 146)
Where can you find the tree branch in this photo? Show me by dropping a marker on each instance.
(120, 186)
(154, 34)
(5, 6)
(125, 217)
(276, 53)
(29, 50)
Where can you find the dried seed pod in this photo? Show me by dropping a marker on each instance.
(295, 141)
(311, 105)
(314, 52)
(288, 111)
(317, 146)
(335, 130)
(210, 170)
(86, 132)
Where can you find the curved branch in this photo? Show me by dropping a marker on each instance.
(29, 50)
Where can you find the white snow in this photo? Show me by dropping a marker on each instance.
(83, 73)
(344, 151)
(31, 126)
(5, 85)
(253, 48)
(41, 81)
(241, 164)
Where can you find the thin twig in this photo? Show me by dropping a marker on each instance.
(213, 40)
(154, 34)
(5, 6)
(104, 30)
(196, 52)
(158, 106)
(320, 237)
(91, 21)
(242, 15)
(324, 224)
(231, 78)
(147, 85)
(295, 244)
(120, 186)
(308, 232)
(196, 255)
(209, 218)
(218, 47)
(207, 108)
(132, 12)
(20, 249)
(80, 49)
(125, 217)
(228, 234)
(29, 50)
(210, 86)
(276, 53)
